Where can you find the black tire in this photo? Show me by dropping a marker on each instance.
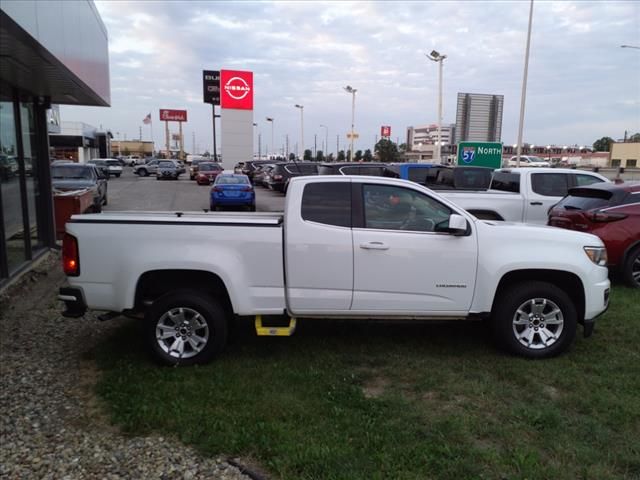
(104, 200)
(252, 208)
(143, 172)
(631, 269)
(517, 298)
(117, 175)
(210, 324)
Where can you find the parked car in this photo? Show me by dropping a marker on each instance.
(232, 190)
(281, 173)
(181, 168)
(522, 194)
(207, 172)
(323, 257)
(147, 169)
(261, 174)
(102, 165)
(193, 169)
(612, 212)
(442, 177)
(8, 167)
(250, 168)
(528, 161)
(352, 168)
(76, 176)
(167, 170)
(115, 168)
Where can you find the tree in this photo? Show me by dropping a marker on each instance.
(358, 155)
(341, 156)
(367, 157)
(635, 138)
(319, 156)
(603, 144)
(292, 157)
(126, 152)
(307, 154)
(331, 158)
(386, 150)
(402, 147)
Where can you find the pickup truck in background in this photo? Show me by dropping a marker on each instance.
(345, 246)
(522, 194)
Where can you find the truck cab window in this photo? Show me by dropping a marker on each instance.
(550, 184)
(328, 203)
(395, 208)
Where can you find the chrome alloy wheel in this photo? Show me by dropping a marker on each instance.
(538, 323)
(182, 332)
(635, 270)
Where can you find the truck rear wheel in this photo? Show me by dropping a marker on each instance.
(534, 320)
(186, 328)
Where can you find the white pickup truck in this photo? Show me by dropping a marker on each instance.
(522, 194)
(348, 247)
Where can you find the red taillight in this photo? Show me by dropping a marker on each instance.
(607, 217)
(217, 189)
(277, 177)
(246, 189)
(70, 257)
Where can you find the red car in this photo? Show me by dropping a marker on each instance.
(207, 173)
(612, 212)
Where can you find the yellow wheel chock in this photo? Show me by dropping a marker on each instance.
(275, 331)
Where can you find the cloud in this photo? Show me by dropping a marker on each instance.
(581, 84)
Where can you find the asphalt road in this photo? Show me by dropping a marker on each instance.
(130, 192)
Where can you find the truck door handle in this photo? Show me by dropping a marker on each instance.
(535, 203)
(374, 246)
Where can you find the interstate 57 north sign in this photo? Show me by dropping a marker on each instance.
(480, 154)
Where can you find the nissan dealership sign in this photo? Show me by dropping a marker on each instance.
(167, 115)
(236, 89)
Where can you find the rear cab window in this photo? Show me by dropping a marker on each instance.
(328, 203)
(506, 182)
(550, 184)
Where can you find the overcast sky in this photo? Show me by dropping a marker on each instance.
(582, 85)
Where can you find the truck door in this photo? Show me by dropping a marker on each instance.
(404, 260)
(546, 190)
(318, 248)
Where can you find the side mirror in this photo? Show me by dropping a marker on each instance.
(458, 225)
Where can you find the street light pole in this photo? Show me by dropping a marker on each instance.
(524, 87)
(269, 119)
(438, 58)
(301, 107)
(352, 91)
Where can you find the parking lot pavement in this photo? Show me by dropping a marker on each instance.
(130, 192)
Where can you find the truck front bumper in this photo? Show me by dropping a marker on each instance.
(74, 302)
(597, 303)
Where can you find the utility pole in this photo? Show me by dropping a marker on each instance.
(215, 148)
(259, 146)
(140, 133)
(352, 91)
(337, 145)
(194, 143)
(315, 145)
(524, 87)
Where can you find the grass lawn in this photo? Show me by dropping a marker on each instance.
(365, 400)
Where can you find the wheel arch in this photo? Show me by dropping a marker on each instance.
(569, 282)
(155, 283)
(628, 251)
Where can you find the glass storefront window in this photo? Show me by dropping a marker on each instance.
(14, 242)
(29, 146)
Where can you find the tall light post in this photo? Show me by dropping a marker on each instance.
(438, 58)
(301, 107)
(352, 91)
(270, 119)
(326, 139)
(524, 87)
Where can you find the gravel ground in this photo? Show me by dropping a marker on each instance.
(51, 426)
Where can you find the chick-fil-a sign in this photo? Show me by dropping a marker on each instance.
(173, 115)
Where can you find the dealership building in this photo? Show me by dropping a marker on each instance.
(53, 52)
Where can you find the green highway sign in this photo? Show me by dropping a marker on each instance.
(480, 154)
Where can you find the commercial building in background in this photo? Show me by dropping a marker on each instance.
(625, 154)
(135, 147)
(419, 137)
(79, 142)
(479, 118)
(53, 52)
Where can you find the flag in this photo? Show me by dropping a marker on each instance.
(147, 119)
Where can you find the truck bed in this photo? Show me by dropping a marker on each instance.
(189, 218)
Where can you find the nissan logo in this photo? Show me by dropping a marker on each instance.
(237, 88)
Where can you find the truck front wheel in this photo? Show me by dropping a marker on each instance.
(534, 320)
(186, 328)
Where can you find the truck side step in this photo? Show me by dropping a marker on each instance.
(275, 331)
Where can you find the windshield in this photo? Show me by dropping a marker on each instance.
(71, 171)
(209, 167)
(166, 165)
(231, 180)
(536, 159)
(113, 163)
(585, 199)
